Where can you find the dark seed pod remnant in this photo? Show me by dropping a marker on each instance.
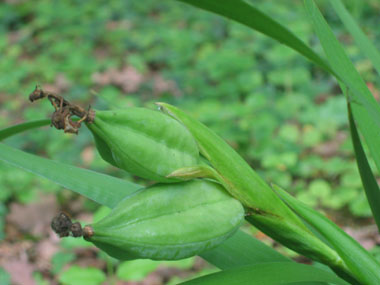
(63, 226)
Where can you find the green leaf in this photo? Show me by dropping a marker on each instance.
(269, 273)
(358, 260)
(76, 275)
(359, 207)
(5, 278)
(73, 243)
(175, 280)
(238, 250)
(101, 188)
(361, 39)
(365, 109)
(16, 129)
(248, 15)
(136, 270)
(241, 249)
(100, 213)
(60, 259)
(184, 264)
(39, 279)
(371, 187)
(3, 212)
(320, 188)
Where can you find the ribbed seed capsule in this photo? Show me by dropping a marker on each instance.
(144, 142)
(168, 222)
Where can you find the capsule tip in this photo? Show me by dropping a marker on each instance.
(88, 232)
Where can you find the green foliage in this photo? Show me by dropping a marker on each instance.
(180, 264)
(136, 270)
(3, 212)
(38, 278)
(361, 39)
(361, 263)
(240, 249)
(5, 278)
(59, 260)
(76, 275)
(370, 184)
(365, 109)
(100, 213)
(270, 274)
(211, 57)
(177, 280)
(246, 87)
(268, 212)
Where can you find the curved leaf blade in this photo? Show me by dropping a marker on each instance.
(361, 263)
(268, 274)
(19, 128)
(369, 182)
(365, 109)
(244, 13)
(101, 188)
(365, 45)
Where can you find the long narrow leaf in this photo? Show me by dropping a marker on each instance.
(361, 39)
(369, 182)
(248, 15)
(361, 263)
(19, 128)
(268, 274)
(241, 249)
(103, 189)
(365, 109)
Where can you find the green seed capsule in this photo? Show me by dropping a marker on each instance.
(144, 142)
(168, 222)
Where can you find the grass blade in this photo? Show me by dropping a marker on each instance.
(361, 263)
(239, 250)
(101, 188)
(268, 274)
(365, 109)
(248, 15)
(19, 128)
(360, 38)
(369, 182)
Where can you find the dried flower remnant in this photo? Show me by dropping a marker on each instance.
(64, 110)
(63, 226)
(76, 229)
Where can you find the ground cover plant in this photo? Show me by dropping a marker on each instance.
(330, 180)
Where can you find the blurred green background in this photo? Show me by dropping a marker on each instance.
(285, 116)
